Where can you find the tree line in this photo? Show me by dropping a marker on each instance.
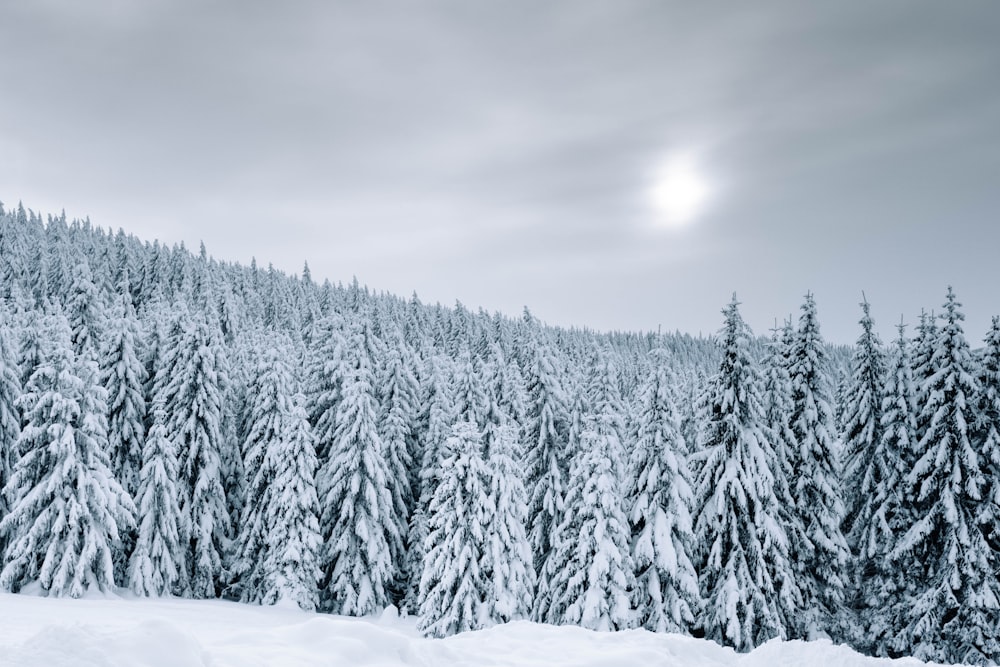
(178, 425)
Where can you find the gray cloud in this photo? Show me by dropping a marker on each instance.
(499, 153)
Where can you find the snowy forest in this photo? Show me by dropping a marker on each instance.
(176, 425)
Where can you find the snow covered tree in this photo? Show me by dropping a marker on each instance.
(437, 416)
(777, 413)
(924, 346)
(358, 521)
(84, 310)
(667, 596)
(278, 543)
(455, 585)
(591, 565)
(747, 581)
(66, 507)
(508, 561)
(123, 377)
(821, 555)
(291, 561)
(158, 564)
(863, 429)
(267, 413)
(192, 382)
(547, 466)
(986, 434)
(399, 397)
(10, 415)
(883, 578)
(952, 614)
(326, 377)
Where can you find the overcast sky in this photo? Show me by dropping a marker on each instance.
(508, 153)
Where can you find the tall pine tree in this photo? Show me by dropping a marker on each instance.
(67, 509)
(746, 579)
(358, 522)
(952, 614)
(667, 596)
(819, 549)
(455, 585)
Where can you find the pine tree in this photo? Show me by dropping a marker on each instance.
(953, 614)
(358, 521)
(821, 556)
(66, 507)
(987, 431)
(863, 472)
(158, 564)
(291, 561)
(667, 596)
(84, 310)
(747, 581)
(469, 396)
(508, 561)
(433, 429)
(547, 465)
(124, 377)
(267, 416)
(924, 345)
(884, 579)
(326, 378)
(10, 415)
(456, 584)
(398, 406)
(191, 384)
(592, 569)
(863, 430)
(783, 448)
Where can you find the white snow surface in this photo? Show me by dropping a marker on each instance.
(170, 632)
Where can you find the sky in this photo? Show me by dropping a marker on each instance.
(618, 165)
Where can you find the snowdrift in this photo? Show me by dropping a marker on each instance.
(109, 632)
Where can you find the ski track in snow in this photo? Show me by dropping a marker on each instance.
(170, 632)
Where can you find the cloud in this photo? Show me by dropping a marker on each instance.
(375, 138)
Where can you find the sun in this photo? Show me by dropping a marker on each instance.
(679, 192)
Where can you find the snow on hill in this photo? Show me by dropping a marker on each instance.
(106, 632)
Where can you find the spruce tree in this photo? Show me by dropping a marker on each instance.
(84, 310)
(864, 469)
(398, 408)
(547, 464)
(291, 560)
(267, 414)
(508, 561)
(191, 382)
(67, 509)
(884, 577)
(863, 430)
(660, 497)
(952, 614)
(124, 377)
(591, 566)
(747, 582)
(433, 429)
(158, 563)
(10, 414)
(777, 413)
(924, 346)
(358, 522)
(455, 585)
(326, 377)
(819, 549)
(987, 431)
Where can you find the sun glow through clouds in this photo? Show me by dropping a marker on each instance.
(679, 192)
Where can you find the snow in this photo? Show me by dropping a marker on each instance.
(169, 632)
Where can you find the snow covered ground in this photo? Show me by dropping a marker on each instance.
(187, 633)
